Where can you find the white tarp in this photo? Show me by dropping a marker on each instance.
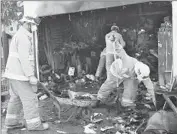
(47, 8)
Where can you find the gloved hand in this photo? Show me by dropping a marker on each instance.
(148, 96)
(33, 80)
(151, 96)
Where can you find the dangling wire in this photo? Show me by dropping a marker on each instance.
(150, 3)
(123, 7)
(69, 17)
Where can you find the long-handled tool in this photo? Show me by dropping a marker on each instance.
(154, 101)
(55, 102)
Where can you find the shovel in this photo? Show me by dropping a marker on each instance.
(55, 101)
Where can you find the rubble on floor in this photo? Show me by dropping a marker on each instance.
(128, 121)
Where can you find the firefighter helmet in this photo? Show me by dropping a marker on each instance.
(142, 71)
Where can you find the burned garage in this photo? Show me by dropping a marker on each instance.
(106, 67)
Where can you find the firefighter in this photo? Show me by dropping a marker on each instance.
(23, 83)
(107, 55)
(112, 39)
(130, 71)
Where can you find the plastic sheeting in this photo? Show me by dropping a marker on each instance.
(47, 8)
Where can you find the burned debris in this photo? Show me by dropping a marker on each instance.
(89, 61)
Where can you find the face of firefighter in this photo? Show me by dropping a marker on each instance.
(28, 26)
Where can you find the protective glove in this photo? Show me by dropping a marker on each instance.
(151, 96)
(151, 90)
(33, 80)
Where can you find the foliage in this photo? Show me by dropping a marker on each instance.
(10, 12)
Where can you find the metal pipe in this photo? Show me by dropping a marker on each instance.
(37, 54)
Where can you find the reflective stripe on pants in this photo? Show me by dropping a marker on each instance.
(14, 108)
(22, 93)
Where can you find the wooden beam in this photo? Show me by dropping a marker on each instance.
(170, 103)
(149, 13)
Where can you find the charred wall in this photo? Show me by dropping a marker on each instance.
(90, 27)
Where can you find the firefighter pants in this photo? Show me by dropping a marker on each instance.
(22, 96)
(129, 93)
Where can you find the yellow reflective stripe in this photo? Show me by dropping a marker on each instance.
(15, 76)
(31, 57)
(14, 54)
(126, 100)
(34, 120)
(111, 53)
(11, 116)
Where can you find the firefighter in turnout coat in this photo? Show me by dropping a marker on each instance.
(113, 38)
(130, 71)
(107, 55)
(23, 83)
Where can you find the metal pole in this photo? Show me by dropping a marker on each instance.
(37, 54)
(35, 45)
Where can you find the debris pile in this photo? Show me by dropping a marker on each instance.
(129, 122)
(56, 82)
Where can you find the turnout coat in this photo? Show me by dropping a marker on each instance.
(20, 63)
